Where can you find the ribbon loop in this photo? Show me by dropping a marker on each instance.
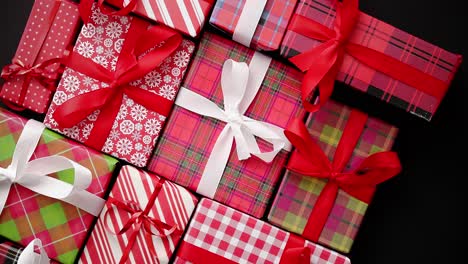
(28, 256)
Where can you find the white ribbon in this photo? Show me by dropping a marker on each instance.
(34, 174)
(240, 84)
(248, 21)
(28, 256)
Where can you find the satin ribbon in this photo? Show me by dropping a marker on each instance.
(28, 256)
(34, 174)
(296, 251)
(322, 63)
(85, 8)
(310, 160)
(141, 222)
(248, 21)
(240, 84)
(133, 64)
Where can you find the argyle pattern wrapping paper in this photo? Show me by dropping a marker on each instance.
(243, 239)
(271, 27)
(28, 215)
(380, 36)
(298, 193)
(188, 138)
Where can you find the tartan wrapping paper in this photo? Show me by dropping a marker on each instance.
(28, 215)
(173, 205)
(271, 27)
(188, 138)
(298, 193)
(380, 36)
(243, 239)
(136, 129)
(10, 252)
(31, 50)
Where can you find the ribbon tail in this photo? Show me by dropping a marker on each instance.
(5, 187)
(85, 9)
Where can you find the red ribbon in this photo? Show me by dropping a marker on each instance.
(295, 251)
(310, 160)
(141, 220)
(133, 64)
(322, 63)
(86, 9)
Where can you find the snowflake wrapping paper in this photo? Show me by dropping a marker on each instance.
(174, 205)
(188, 138)
(224, 235)
(51, 28)
(298, 193)
(382, 37)
(136, 129)
(28, 215)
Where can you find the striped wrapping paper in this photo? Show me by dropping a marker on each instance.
(380, 36)
(187, 16)
(298, 193)
(10, 252)
(27, 215)
(238, 238)
(188, 138)
(173, 205)
(272, 25)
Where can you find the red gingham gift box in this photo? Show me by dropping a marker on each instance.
(188, 139)
(382, 37)
(219, 234)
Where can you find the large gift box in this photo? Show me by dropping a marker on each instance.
(369, 55)
(196, 149)
(32, 77)
(120, 84)
(341, 155)
(219, 234)
(163, 208)
(26, 214)
(259, 24)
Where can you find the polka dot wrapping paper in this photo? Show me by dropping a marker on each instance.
(51, 28)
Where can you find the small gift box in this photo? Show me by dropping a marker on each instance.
(258, 24)
(50, 187)
(32, 77)
(341, 155)
(368, 54)
(11, 253)
(119, 85)
(196, 149)
(142, 222)
(219, 234)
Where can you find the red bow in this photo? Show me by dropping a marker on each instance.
(86, 8)
(322, 63)
(310, 160)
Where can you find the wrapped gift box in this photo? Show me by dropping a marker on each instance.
(298, 193)
(51, 28)
(173, 205)
(219, 234)
(136, 128)
(386, 39)
(269, 29)
(10, 253)
(188, 139)
(27, 215)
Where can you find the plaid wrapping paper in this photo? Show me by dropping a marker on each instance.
(10, 252)
(61, 34)
(28, 215)
(272, 25)
(188, 138)
(243, 239)
(136, 129)
(380, 36)
(298, 193)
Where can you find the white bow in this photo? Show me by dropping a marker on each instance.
(28, 256)
(240, 84)
(34, 174)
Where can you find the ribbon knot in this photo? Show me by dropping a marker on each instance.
(234, 118)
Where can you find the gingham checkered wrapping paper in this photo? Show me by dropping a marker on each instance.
(27, 215)
(380, 36)
(272, 25)
(10, 252)
(188, 138)
(243, 239)
(298, 193)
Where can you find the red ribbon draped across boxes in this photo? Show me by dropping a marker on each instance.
(31, 78)
(119, 85)
(142, 222)
(336, 41)
(219, 234)
(341, 155)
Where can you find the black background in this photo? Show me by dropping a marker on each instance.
(417, 217)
